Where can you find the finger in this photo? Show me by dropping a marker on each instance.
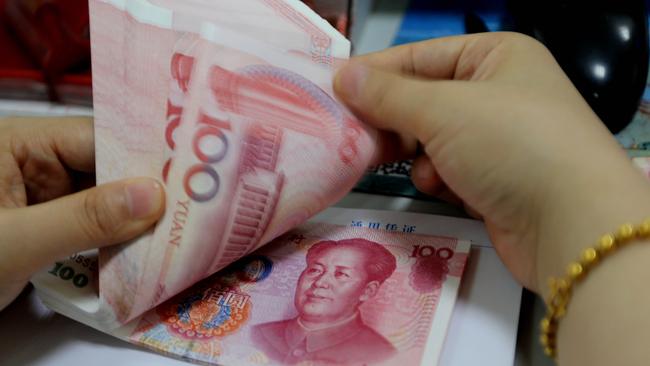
(402, 104)
(73, 139)
(472, 212)
(12, 187)
(449, 196)
(442, 58)
(105, 215)
(425, 177)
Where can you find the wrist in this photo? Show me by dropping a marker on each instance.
(587, 206)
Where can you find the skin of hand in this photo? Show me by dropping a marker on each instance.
(43, 215)
(505, 132)
(503, 129)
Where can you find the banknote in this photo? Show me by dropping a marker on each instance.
(643, 163)
(234, 114)
(136, 50)
(251, 134)
(270, 21)
(135, 97)
(320, 294)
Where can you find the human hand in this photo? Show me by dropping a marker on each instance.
(43, 162)
(505, 131)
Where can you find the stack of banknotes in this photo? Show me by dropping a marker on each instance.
(230, 104)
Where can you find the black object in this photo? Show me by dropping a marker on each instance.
(602, 45)
(474, 23)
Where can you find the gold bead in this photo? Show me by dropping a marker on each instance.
(588, 256)
(550, 352)
(644, 228)
(553, 285)
(574, 270)
(553, 303)
(625, 232)
(543, 339)
(545, 325)
(557, 302)
(562, 285)
(606, 243)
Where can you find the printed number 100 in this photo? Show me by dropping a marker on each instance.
(66, 273)
(420, 251)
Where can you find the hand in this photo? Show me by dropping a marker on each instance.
(504, 130)
(42, 163)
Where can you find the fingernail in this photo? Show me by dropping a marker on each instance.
(144, 197)
(351, 79)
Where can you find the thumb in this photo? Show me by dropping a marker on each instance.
(104, 215)
(398, 103)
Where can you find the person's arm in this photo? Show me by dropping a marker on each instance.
(43, 216)
(504, 129)
(608, 316)
(607, 320)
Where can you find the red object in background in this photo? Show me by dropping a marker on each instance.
(45, 50)
(45, 47)
(336, 12)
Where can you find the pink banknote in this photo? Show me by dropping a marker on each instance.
(259, 19)
(240, 123)
(318, 295)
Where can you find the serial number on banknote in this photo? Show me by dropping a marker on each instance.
(66, 273)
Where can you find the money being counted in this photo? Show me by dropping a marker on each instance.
(231, 105)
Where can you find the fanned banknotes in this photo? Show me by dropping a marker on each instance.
(230, 104)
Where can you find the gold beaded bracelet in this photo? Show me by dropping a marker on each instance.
(561, 288)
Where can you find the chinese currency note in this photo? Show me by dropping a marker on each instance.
(319, 295)
(231, 105)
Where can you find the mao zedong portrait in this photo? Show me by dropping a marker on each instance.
(338, 278)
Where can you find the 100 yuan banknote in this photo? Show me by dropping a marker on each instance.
(320, 295)
(239, 121)
(246, 168)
